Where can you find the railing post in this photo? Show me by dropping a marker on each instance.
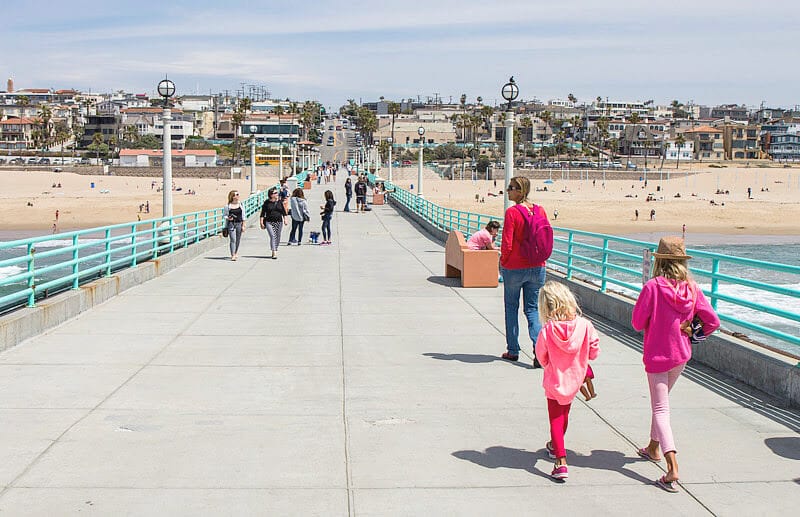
(605, 265)
(714, 282)
(75, 267)
(569, 254)
(171, 223)
(31, 275)
(133, 245)
(108, 251)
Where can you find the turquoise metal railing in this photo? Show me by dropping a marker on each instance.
(41, 266)
(616, 264)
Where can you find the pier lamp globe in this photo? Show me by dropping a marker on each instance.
(510, 92)
(166, 89)
(421, 132)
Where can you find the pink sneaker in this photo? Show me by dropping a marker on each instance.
(560, 472)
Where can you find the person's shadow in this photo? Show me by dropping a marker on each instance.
(506, 457)
(786, 446)
(474, 359)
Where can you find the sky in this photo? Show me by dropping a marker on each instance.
(709, 52)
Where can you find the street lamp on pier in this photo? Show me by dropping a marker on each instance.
(510, 92)
(166, 89)
(253, 130)
(390, 158)
(280, 162)
(421, 132)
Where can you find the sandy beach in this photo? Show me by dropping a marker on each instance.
(113, 200)
(588, 204)
(581, 203)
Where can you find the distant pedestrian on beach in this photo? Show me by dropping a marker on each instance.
(653, 214)
(520, 272)
(484, 239)
(636, 214)
(55, 227)
(273, 218)
(555, 214)
(749, 193)
(56, 215)
(564, 347)
(147, 207)
(684, 232)
(233, 216)
(667, 303)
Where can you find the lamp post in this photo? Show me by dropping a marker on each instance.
(510, 92)
(390, 158)
(166, 89)
(280, 162)
(294, 159)
(253, 130)
(421, 132)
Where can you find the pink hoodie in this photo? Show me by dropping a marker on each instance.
(564, 349)
(660, 309)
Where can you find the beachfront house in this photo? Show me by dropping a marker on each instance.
(673, 152)
(708, 143)
(17, 133)
(155, 157)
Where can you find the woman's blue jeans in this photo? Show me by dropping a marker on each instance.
(528, 281)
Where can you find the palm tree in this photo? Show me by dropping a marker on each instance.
(527, 123)
(97, 141)
(394, 110)
(572, 98)
(679, 143)
(77, 133)
(130, 134)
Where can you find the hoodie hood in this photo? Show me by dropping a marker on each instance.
(679, 296)
(567, 335)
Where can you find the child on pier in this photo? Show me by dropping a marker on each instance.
(566, 344)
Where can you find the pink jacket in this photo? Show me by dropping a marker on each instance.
(564, 348)
(660, 309)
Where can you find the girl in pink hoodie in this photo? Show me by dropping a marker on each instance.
(564, 347)
(664, 310)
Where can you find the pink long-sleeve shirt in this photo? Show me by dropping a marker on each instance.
(660, 309)
(564, 349)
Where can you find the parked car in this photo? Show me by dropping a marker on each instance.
(44, 161)
(17, 161)
(406, 162)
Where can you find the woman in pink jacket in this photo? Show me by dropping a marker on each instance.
(664, 310)
(564, 347)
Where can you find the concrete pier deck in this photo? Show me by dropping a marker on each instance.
(353, 379)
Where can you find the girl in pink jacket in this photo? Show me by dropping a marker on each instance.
(664, 310)
(564, 347)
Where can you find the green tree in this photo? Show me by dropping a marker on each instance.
(130, 135)
(680, 141)
(394, 110)
(147, 141)
(45, 118)
(630, 135)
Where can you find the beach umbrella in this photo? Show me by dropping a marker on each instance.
(548, 181)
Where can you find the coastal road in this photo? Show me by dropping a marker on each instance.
(342, 139)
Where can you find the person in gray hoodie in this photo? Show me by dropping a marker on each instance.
(300, 214)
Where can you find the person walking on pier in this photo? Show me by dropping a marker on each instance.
(348, 192)
(566, 344)
(273, 217)
(300, 214)
(233, 215)
(521, 271)
(667, 302)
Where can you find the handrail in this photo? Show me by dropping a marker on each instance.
(45, 265)
(607, 260)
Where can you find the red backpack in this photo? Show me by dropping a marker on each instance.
(537, 241)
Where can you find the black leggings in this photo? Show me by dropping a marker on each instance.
(326, 228)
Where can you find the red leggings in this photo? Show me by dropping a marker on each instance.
(559, 419)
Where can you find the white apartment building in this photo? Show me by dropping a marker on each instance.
(621, 109)
(686, 151)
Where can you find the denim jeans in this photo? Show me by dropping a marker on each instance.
(326, 228)
(347, 204)
(235, 236)
(297, 228)
(528, 281)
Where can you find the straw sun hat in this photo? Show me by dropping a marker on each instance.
(671, 248)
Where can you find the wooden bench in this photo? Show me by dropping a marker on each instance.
(476, 268)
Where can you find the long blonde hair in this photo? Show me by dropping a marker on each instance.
(524, 185)
(672, 269)
(556, 302)
(231, 194)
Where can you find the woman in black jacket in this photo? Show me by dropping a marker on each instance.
(273, 217)
(348, 191)
(327, 214)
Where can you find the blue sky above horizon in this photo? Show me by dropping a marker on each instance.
(712, 52)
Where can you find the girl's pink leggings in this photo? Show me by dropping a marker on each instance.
(559, 419)
(660, 386)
